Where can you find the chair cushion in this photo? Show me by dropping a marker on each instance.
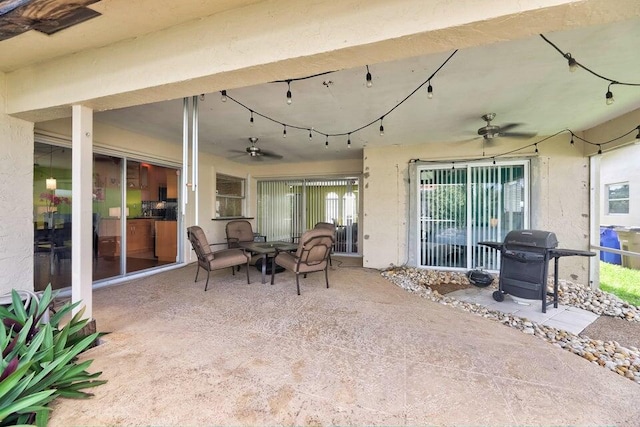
(228, 258)
(289, 261)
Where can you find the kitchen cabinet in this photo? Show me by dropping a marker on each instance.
(166, 240)
(172, 184)
(140, 236)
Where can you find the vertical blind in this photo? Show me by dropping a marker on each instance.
(469, 204)
(287, 208)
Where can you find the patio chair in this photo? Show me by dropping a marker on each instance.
(239, 231)
(210, 260)
(328, 226)
(312, 255)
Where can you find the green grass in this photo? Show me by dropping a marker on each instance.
(620, 281)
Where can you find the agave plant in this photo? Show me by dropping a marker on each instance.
(39, 359)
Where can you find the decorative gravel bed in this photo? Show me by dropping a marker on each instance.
(609, 354)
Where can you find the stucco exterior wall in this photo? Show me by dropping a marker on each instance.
(16, 189)
(559, 196)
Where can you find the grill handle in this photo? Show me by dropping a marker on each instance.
(523, 257)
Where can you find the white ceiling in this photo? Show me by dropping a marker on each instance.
(522, 81)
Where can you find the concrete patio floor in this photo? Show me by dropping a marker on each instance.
(363, 352)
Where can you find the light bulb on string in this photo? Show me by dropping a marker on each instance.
(609, 95)
(349, 140)
(430, 90)
(326, 142)
(223, 96)
(310, 135)
(638, 135)
(202, 97)
(251, 118)
(284, 131)
(368, 77)
(494, 160)
(453, 165)
(381, 126)
(536, 145)
(573, 65)
(572, 143)
(599, 149)
(289, 92)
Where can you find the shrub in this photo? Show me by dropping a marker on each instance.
(39, 359)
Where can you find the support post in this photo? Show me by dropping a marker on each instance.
(82, 209)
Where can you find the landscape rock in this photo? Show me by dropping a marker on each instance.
(608, 354)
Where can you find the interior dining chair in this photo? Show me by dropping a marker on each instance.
(214, 260)
(331, 227)
(312, 255)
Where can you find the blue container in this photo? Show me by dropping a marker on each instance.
(609, 239)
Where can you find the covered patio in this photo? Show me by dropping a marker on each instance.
(362, 352)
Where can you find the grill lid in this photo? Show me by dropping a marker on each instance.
(530, 239)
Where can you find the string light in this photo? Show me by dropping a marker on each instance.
(326, 142)
(202, 97)
(609, 95)
(520, 149)
(251, 118)
(572, 143)
(573, 65)
(223, 96)
(494, 160)
(289, 92)
(430, 90)
(349, 140)
(311, 130)
(453, 165)
(368, 77)
(284, 131)
(381, 126)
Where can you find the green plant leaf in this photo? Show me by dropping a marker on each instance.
(18, 307)
(10, 382)
(25, 402)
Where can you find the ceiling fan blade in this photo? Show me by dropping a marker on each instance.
(518, 134)
(270, 154)
(237, 152)
(508, 127)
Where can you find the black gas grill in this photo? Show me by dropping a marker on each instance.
(525, 262)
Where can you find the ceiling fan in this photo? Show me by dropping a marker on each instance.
(490, 131)
(256, 152)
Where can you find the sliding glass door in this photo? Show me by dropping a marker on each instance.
(461, 206)
(287, 208)
(134, 216)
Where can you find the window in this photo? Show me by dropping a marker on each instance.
(229, 196)
(618, 198)
(331, 208)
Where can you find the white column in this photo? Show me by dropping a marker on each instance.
(594, 220)
(82, 209)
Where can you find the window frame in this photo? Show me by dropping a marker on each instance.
(621, 199)
(223, 197)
